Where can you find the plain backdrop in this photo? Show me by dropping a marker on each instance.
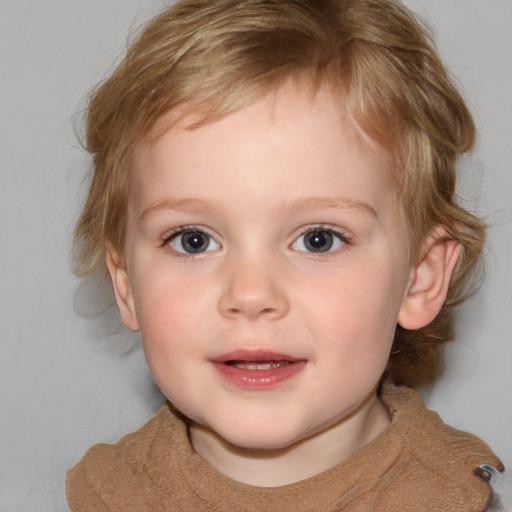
(70, 376)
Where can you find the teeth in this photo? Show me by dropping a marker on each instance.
(258, 365)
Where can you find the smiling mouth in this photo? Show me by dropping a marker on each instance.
(258, 370)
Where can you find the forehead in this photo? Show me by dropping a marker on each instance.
(290, 140)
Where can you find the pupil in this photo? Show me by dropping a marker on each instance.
(194, 242)
(318, 241)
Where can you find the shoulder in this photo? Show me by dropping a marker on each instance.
(437, 460)
(107, 471)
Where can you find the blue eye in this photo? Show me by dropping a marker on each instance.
(192, 241)
(319, 241)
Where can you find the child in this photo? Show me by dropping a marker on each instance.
(274, 195)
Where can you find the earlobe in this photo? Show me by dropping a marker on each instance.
(429, 282)
(122, 288)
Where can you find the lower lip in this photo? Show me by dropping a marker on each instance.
(259, 379)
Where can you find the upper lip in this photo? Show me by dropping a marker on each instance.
(253, 355)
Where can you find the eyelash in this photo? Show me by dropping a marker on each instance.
(342, 238)
(173, 235)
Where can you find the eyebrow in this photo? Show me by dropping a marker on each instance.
(180, 205)
(323, 203)
(301, 205)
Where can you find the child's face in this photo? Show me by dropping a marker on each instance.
(268, 262)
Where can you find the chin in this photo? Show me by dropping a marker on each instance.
(260, 439)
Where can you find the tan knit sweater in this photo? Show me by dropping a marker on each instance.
(417, 464)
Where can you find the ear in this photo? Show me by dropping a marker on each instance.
(429, 281)
(122, 288)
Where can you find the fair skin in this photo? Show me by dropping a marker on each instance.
(266, 264)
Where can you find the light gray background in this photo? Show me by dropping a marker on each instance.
(69, 377)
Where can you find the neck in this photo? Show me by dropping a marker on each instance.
(304, 459)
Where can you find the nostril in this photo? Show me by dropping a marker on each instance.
(254, 313)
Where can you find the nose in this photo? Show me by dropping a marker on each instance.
(253, 290)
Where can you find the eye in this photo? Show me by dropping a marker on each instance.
(192, 241)
(319, 241)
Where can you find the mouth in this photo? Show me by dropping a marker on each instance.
(258, 365)
(257, 370)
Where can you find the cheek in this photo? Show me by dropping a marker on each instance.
(170, 310)
(355, 311)
(172, 331)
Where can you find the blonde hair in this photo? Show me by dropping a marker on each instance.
(207, 58)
